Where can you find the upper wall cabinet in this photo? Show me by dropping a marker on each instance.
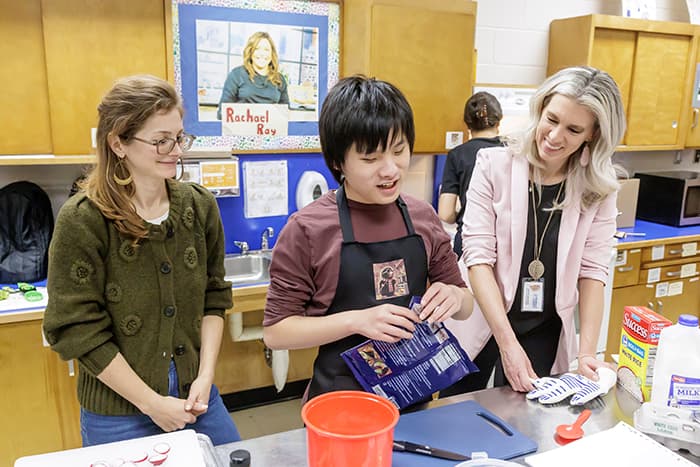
(424, 48)
(692, 139)
(652, 63)
(61, 58)
(89, 44)
(24, 100)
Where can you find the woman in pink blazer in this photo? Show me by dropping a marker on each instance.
(538, 233)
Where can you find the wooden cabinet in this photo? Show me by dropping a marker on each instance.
(662, 275)
(39, 405)
(24, 101)
(653, 63)
(398, 41)
(89, 44)
(59, 60)
(692, 138)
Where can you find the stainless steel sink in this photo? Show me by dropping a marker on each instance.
(250, 268)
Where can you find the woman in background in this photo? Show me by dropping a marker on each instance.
(258, 80)
(538, 234)
(146, 359)
(482, 115)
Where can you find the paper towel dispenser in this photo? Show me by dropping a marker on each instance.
(312, 185)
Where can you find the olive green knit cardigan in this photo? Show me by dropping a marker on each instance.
(105, 296)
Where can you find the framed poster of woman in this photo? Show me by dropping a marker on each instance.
(253, 74)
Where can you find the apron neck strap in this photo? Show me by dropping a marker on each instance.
(344, 215)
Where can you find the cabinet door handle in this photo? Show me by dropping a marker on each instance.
(71, 367)
(651, 305)
(625, 268)
(675, 252)
(661, 307)
(673, 274)
(695, 118)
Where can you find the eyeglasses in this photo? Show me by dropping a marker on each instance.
(165, 145)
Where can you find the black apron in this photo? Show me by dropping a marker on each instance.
(370, 274)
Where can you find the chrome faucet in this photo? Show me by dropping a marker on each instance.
(265, 238)
(243, 246)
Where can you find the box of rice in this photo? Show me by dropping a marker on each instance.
(638, 341)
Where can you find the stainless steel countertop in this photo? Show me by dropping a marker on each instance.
(535, 420)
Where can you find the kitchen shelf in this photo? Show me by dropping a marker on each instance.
(46, 159)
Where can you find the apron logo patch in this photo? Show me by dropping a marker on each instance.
(390, 279)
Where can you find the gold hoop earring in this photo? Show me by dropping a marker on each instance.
(120, 167)
(182, 169)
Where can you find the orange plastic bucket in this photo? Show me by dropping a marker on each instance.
(349, 429)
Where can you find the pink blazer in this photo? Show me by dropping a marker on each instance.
(494, 232)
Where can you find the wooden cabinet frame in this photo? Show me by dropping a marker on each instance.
(637, 53)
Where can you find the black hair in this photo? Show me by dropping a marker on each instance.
(482, 111)
(362, 111)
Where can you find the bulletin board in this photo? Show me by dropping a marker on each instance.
(212, 43)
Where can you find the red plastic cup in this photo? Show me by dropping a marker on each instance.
(349, 429)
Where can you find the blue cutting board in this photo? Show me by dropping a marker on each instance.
(462, 427)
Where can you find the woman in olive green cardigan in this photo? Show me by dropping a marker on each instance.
(136, 278)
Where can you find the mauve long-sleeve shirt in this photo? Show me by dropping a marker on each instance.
(306, 258)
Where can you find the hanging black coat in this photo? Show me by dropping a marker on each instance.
(26, 226)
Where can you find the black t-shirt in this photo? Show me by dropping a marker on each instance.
(459, 167)
(524, 322)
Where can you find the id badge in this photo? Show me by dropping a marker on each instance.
(533, 295)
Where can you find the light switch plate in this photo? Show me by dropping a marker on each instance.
(453, 139)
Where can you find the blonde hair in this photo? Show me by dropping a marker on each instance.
(273, 73)
(122, 112)
(597, 91)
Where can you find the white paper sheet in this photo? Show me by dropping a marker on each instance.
(620, 446)
(266, 189)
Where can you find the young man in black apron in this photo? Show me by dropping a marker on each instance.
(345, 267)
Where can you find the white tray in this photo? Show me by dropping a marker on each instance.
(672, 427)
(184, 451)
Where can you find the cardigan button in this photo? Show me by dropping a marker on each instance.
(180, 350)
(165, 267)
(169, 311)
(186, 387)
(170, 232)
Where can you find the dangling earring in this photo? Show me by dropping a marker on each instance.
(182, 169)
(121, 168)
(585, 156)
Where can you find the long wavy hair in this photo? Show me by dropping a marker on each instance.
(273, 68)
(598, 92)
(123, 112)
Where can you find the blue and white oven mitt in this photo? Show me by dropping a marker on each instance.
(550, 390)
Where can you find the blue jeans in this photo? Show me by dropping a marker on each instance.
(215, 422)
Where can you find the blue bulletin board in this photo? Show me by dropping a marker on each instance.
(211, 38)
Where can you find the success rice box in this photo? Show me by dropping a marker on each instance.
(639, 339)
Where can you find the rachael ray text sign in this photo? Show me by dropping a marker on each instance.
(254, 119)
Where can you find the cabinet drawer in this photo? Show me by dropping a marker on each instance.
(678, 297)
(651, 275)
(669, 251)
(627, 265)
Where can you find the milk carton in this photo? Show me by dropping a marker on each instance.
(677, 373)
(641, 328)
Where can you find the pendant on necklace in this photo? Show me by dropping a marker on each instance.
(535, 269)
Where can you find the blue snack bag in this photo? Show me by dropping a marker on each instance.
(410, 370)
